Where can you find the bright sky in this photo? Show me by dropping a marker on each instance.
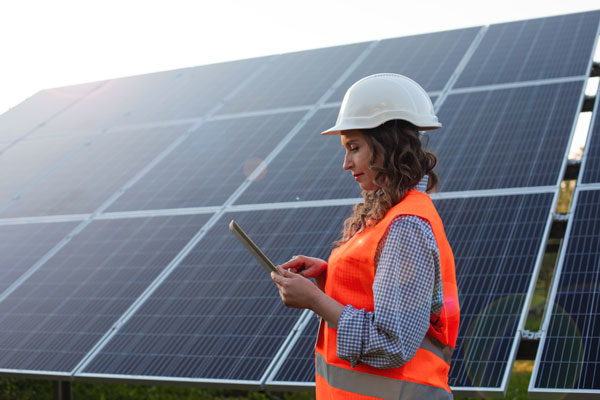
(46, 44)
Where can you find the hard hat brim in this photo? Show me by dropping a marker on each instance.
(347, 125)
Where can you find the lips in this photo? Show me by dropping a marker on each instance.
(356, 176)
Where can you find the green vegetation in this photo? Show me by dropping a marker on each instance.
(29, 389)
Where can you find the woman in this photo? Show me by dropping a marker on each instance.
(387, 295)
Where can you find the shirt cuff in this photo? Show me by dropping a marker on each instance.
(350, 334)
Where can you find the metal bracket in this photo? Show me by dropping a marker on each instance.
(526, 334)
(561, 217)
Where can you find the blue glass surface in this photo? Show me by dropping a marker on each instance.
(219, 315)
(543, 48)
(571, 354)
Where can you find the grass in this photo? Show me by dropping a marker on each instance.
(29, 389)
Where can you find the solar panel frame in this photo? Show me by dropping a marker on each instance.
(235, 143)
(431, 62)
(482, 62)
(44, 283)
(268, 242)
(109, 162)
(50, 103)
(21, 249)
(16, 162)
(590, 162)
(284, 81)
(524, 92)
(110, 105)
(541, 392)
(309, 321)
(501, 390)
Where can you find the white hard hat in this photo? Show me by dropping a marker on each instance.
(379, 98)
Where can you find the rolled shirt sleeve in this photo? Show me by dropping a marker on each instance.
(406, 290)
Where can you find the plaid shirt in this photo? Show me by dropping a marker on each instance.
(407, 289)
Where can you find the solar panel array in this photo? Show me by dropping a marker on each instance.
(116, 260)
(569, 357)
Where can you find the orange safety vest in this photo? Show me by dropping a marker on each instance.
(350, 275)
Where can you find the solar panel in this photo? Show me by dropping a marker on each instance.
(591, 165)
(568, 358)
(93, 174)
(193, 91)
(28, 161)
(218, 316)
(430, 59)
(21, 246)
(495, 241)
(514, 137)
(299, 366)
(208, 166)
(308, 168)
(56, 316)
(295, 79)
(533, 49)
(109, 105)
(45, 105)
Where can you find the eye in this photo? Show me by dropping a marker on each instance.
(354, 149)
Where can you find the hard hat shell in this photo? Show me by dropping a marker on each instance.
(379, 98)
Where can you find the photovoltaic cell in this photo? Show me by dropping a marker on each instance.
(505, 138)
(39, 109)
(219, 315)
(591, 172)
(28, 161)
(495, 241)
(207, 167)
(21, 246)
(91, 176)
(295, 79)
(194, 91)
(570, 352)
(109, 105)
(299, 365)
(534, 49)
(429, 59)
(55, 317)
(308, 168)
(94, 174)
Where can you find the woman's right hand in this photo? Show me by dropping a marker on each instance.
(309, 267)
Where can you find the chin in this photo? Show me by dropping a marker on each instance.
(369, 188)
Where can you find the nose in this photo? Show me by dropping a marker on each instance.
(347, 161)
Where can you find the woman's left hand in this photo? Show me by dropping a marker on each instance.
(295, 290)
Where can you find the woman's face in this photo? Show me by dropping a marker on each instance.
(357, 159)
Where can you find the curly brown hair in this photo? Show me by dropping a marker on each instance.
(404, 163)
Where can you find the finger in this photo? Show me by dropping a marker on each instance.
(278, 279)
(286, 273)
(296, 260)
(294, 263)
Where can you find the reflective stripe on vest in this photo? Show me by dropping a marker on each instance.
(375, 385)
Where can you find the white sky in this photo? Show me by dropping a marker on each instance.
(46, 44)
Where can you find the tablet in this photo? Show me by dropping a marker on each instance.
(252, 247)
